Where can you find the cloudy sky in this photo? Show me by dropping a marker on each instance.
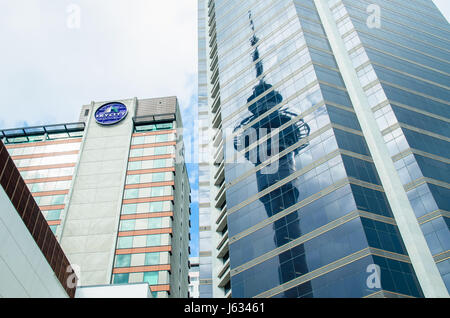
(59, 55)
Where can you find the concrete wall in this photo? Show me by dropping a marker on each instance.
(91, 225)
(24, 271)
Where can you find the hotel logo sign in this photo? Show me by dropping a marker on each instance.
(111, 113)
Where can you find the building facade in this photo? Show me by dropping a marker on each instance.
(114, 190)
(194, 278)
(328, 167)
(32, 262)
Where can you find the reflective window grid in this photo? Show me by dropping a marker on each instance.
(47, 166)
(321, 223)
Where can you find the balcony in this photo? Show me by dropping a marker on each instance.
(224, 274)
(212, 27)
(213, 51)
(216, 105)
(218, 156)
(222, 219)
(220, 194)
(214, 64)
(212, 39)
(212, 17)
(217, 120)
(217, 138)
(222, 247)
(220, 174)
(215, 90)
(215, 73)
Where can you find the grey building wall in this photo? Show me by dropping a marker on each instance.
(90, 230)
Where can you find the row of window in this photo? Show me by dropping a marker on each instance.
(148, 277)
(143, 241)
(46, 161)
(49, 186)
(153, 151)
(153, 127)
(52, 215)
(44, 149)
(147, 207)
(47, 173)
(150, 164)
(50, 200)
(148, 192)
(141, 140)
(26, 139)
(142, 259)
(145, 224)
(149, 177)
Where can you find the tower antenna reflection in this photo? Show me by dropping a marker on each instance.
(287, 194)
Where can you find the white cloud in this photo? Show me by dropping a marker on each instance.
(122, 49)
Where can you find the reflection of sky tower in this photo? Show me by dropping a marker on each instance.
(288, 194)
(287, 137)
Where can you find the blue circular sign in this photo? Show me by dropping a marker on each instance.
(111, 113)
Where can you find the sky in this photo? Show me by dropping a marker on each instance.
(59, 55)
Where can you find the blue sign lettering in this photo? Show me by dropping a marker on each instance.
(111, 113)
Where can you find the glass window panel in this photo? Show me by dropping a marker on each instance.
(138, 140)
(145, 128)
(58, 199)
(127, 225)
(159, 163)
(125, 242)
(158, 177)
(151, 278)
(133, 179)
(151, 259)
(131, 194)
(134, 165)
(121, 278)
(156, 206)
(154, 223)
(154, 240)
(137, 152)
(123, 260)
(164, 126)
(157, 191)
(160, 150)
(162, 138)
(129, 209)
(53, 215)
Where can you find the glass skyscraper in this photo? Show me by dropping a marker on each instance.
(328, 139)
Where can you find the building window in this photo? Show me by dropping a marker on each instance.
(151, 278)
(121, 278)
(123, 260)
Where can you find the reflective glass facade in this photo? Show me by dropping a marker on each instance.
(404, 67)
(47, 162)
(205, 218)
(306, 212)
